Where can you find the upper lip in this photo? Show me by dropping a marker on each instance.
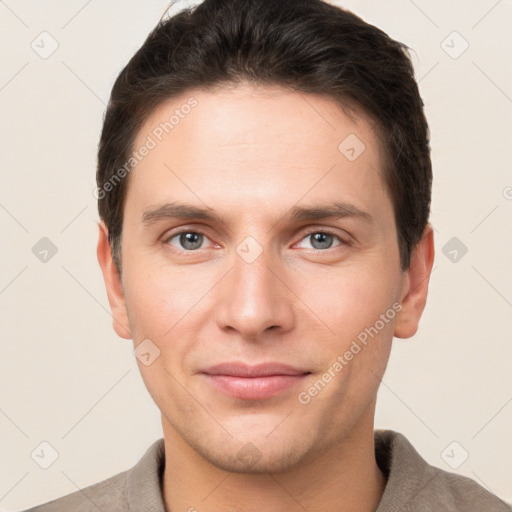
(238, 369)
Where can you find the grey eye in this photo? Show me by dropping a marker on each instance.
(321, 240)
(189, 240)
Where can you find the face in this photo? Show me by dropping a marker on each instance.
(260, 259)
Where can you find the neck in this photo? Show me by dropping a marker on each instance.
(344, 477)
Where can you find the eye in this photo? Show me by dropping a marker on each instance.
(321, 240)
(193, 240)
(187, 240)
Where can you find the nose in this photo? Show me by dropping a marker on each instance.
(254, 299)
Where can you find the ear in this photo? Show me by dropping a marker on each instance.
(415, 287)
(113, 284)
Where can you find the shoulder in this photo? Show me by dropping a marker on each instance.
(108, 496)
(138, 488)
(466, 494)
(418, 486)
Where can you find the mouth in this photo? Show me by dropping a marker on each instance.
(258, 382)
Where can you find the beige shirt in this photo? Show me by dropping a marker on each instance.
(412, 485)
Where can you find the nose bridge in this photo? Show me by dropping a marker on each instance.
(253, 299)
(253, 280)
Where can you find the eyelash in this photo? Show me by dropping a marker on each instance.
(325, 231)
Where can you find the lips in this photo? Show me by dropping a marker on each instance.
(257, 382)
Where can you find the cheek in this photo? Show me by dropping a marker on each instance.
(350, 299)
(162, 300)
(165, 302)
(162, 306)
(360, 307)
(356, 304)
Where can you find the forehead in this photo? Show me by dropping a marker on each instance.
(239, 144)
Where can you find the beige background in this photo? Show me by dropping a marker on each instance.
(67, 379)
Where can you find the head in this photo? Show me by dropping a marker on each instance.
(264, 183)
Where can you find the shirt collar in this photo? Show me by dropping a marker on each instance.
(406, 472)
(144, 481)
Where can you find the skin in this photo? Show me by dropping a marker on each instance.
(251, 155)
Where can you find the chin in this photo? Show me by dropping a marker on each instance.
(252, 459)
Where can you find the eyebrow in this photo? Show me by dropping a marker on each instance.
(177, 210)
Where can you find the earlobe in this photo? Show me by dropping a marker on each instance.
(415, 290)
(113, 284)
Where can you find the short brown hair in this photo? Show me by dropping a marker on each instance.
(308, 46)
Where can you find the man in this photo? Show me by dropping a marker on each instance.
(264, 183)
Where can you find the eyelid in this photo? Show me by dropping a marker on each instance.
(328, 231)
(304, 234)
(180, 231)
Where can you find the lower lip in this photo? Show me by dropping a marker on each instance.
(255, 388)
